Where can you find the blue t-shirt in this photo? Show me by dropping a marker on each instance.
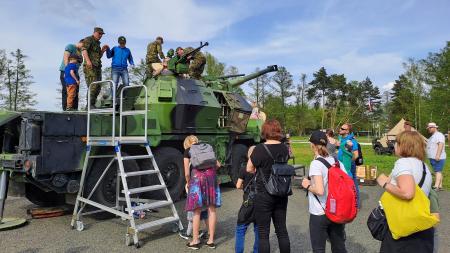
(343, 141)
(120, 56)
(72, 49)
(67, 76)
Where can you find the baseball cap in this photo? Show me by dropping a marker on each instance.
(122, 39)
(318, 138)
(74, 56)
(99, 29)
(432, 125)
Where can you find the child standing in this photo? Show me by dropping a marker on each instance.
(246, 214)
(71, 80)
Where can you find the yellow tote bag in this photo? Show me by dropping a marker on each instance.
(406, 217)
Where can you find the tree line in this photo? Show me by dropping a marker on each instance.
(323, 100)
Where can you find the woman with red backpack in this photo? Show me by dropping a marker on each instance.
(321, 207)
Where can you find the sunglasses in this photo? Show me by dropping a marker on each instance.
(344, 129)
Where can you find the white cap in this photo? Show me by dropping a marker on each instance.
(432, 125)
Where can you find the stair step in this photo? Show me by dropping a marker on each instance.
(145, 189)
(153, 205)
(136, 157)
(140, 173)
(155, 223)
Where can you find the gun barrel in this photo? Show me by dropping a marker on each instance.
(230, 76)
(240, 81)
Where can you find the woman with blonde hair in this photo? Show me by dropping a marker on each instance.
(408, 171)
(203, 192)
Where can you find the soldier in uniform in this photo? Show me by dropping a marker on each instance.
(179, 64)
(197, 64)
(92, 67)
(154, 54)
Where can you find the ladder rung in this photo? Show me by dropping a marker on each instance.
(136, 157)
(153, 205)
(137, 112)
(102, 111)
(145, 189)
(156, 223)
(140, 173)
(132, 140)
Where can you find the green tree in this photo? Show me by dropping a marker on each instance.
(137, 74)
(259, 88)
(317, 90)
(19, 80)
(213, 66)
(283, 85)
(400, 104)
(437, 75)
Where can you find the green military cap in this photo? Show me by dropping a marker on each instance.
(122, 39)
(170, 53)
(99, 30)
(160, 38)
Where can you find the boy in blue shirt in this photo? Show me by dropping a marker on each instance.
(71, 81)
(68, 50)
(120, 55)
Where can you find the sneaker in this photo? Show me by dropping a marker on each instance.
(193, 246)
(185, 236)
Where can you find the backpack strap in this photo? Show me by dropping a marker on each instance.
(268, 151)
(328, 165)
(250, 183)
(424, 174)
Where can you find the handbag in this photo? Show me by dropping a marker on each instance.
(246, 213)
(279, 183)
(377, 223)
(406, 217)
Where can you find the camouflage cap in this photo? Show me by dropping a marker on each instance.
(160, 38)
(189, 49)
(122, 39)
(99, 30)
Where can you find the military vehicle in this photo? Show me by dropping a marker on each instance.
(45, 150)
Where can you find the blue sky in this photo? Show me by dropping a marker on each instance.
(357, 38)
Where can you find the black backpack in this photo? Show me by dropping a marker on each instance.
(279, 183)
(359, 160)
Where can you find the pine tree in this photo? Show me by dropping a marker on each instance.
(259, 88)
(18, 83)
(283, 85)
(317, 90)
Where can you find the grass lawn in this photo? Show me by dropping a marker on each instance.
(385, 163)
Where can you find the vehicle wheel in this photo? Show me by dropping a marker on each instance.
(238, 160)
(170, 163)
(378, 150)
(41, 198)
(105, 193)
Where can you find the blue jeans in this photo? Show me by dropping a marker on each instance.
(240, 237)
(120, 73)
(355, 179)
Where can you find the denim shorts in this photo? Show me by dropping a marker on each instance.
(438, 166)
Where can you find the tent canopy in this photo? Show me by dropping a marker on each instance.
(391, 134)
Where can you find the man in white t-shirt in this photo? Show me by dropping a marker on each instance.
(436, 153)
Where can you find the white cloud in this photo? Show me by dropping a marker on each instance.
(387, 86)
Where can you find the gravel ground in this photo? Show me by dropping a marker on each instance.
(55, 235)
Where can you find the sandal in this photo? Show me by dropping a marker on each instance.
(211, 245)
(193, 246)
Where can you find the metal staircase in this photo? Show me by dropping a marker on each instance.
(124, 195)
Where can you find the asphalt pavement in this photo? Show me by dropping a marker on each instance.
(55, 234)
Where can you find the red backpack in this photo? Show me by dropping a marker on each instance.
(341, 206)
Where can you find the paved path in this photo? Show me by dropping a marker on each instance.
(54, 234)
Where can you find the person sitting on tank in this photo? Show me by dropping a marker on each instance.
(197, 63)
(161, 68)
(179, 64)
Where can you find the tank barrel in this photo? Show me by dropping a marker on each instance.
(230, 76)
(240, 81)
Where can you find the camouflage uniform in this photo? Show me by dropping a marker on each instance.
(197, 65)
(153, 50)
(93, 74)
